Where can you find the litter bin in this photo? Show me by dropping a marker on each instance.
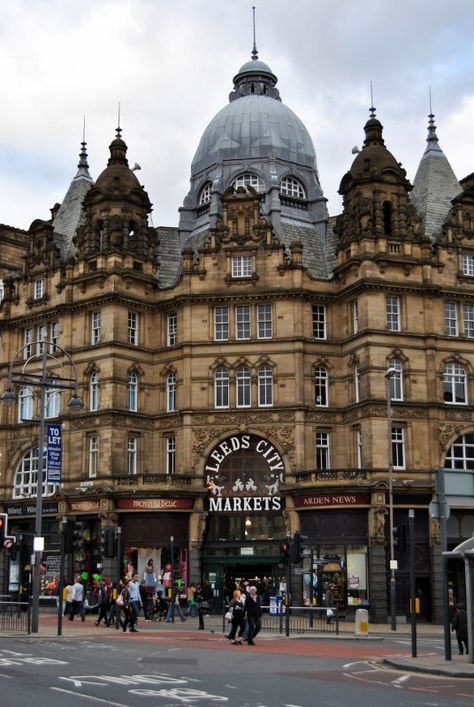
(361, 622)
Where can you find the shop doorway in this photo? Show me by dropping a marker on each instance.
(265, 576)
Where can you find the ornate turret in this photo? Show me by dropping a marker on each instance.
(116, 210)
(375, 193)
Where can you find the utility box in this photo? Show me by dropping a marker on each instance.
(361, 622)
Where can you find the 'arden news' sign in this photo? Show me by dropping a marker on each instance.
(244, 473)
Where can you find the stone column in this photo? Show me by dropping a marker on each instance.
(377, 559)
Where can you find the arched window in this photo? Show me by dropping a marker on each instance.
(454, 384)
(265, 386)
(52, 403)
(396, 379)
(243, 386)
(132, 392)
(94, 391)
(289, 186)
(171, 392)
(205, 194)
(320, 386)
(25, 404)
(460, 455)
(249, 180)
(26, 476)
(221, 387)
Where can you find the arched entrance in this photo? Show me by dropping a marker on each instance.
(245, 525)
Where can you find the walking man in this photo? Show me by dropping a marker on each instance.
(135, 601)
(77, 603)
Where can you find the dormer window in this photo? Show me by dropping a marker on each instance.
(242, 266)
(289, 186)
(38, 288)
(249, 180)
(205, 195)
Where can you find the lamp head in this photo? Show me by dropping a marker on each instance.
(8, 397)
(390, 372)
(75, 403)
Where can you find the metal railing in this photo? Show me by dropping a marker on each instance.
(302, 619)
(15, 617)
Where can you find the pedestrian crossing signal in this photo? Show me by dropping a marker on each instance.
(3, 527)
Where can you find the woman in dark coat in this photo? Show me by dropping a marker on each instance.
(459, 624)
(237, 608)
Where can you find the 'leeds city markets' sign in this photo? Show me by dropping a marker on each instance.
(244, 473)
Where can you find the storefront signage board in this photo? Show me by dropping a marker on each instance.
(31, 510)
(332, 499)
(153, 504)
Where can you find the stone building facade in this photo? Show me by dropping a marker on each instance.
(233, 368)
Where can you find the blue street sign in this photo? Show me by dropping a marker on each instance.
(53, 468)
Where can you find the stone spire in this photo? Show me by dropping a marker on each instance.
(434, 186)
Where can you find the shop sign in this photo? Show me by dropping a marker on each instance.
(332, 499)
(250, 485)
(84, 506)
(54, 453)
(31, 510)
(153, 504)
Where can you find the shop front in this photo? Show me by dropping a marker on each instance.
(245, 523)
(18, 575)
(155, 533)
(336, 552)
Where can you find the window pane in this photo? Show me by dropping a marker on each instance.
(265, 386)
(243, 386)
(393, 313)
(450, 319)
(242, 322)
(221, 381)
(264, 321)
(221, 323)
(319, 321)
(321, 386)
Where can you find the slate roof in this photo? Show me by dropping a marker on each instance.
(169, 256)
(70, 214)
(434, 187)
(312, 239)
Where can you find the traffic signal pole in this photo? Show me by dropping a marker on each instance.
(62, 543)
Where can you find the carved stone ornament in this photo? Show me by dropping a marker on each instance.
(448, 432)
(377, 525)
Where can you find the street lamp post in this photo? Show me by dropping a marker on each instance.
(389, 374)
(43, 382)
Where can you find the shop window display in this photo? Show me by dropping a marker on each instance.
(336, 574)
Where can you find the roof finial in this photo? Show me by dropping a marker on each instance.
(254, 50)
(372, 107)
(118, 130)
(83, 153)
(432, 137)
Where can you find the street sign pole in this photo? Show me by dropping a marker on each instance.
(441, 494)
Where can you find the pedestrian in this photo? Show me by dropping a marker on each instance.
(237, 609)
(68, 593)
(104, 603)
(174, 607)
(146, 600)
(253, 610)
(192, 604)
(459, 625)
(123, 605)
(112, 613)
(135, 601)
(77, 602)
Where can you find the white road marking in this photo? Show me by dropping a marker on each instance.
(397, 682)
(349, 665)
(89, 697)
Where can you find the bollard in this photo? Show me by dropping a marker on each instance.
(361, 622)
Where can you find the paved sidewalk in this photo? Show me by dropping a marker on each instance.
(458, 667)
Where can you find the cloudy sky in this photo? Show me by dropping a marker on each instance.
(170, 65)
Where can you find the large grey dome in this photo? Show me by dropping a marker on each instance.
(254, 126)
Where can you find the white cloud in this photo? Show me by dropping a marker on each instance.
(171, 68)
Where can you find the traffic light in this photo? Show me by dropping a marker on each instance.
(295, 548)
(107, 541)
(395, 536)
(284, 552)
(73, 540)
(3, 527)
